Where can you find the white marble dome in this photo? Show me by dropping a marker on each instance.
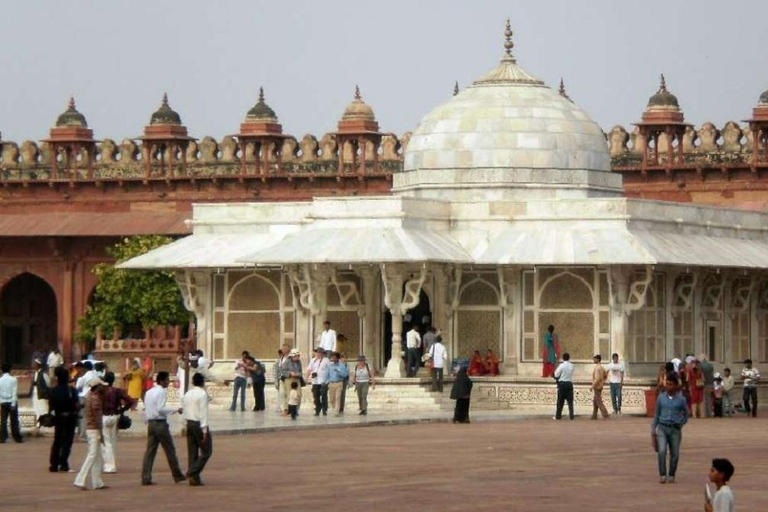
(508, 128)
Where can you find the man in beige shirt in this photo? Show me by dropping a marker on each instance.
(599, 376)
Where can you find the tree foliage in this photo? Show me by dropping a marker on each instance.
(132, 297)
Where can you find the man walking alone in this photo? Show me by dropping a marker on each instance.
(666, 430)
(199, 443)
(564, 376)
(616, 381)
(158, 432)
(599, 375)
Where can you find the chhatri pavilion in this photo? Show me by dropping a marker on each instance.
(505, 218)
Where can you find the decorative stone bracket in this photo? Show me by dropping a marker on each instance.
(741, 297)
(347, 291)
(507, 286)
(453, 274)
(195, 289)
(393, 277)
(713, 293)
(627, 296)
(684, 292)
(308, 281)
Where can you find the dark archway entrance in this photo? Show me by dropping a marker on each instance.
(421, 315)
(27, 319)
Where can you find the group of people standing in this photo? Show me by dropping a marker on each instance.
(611, 374)
(328, 376)
(707, 392)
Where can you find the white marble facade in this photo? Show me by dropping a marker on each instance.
(506, 217)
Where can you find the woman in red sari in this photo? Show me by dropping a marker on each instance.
(550, 354)
(492, 363)
(476, 364)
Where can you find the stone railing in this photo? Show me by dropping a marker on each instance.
(161, 340)
(706, 146)
(204, 158)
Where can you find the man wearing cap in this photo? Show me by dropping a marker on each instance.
(116, 402)
(94, 461)
(290, 372)
(158, 432)
(39, 390)
(317, 372)
(599, 376)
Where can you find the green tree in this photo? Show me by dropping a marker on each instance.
(130, 297)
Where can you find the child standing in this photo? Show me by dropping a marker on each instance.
(723, 500)
(717, 393)
(293, 400)
(727, 387)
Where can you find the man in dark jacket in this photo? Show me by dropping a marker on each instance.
(63, 403)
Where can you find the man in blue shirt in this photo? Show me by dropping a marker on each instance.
(337, 372)
(666, 431)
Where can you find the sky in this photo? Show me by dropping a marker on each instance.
(117, 58)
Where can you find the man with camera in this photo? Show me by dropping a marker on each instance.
(317, 371)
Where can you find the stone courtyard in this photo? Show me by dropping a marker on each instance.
(532, 464)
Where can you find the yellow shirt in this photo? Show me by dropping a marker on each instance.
(136, 384)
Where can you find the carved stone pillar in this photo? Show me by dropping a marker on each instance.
(370, 321)
(398, 303)
(196, 292)
(618, 282)
(393, 278)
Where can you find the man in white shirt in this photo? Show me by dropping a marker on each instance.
(412, 344)
(199, 443)
(86, 374)
(55, 359)
(439, 355)
(328, 338)
(9, 405)
(751, 376)
(158, 432)
(616, 381)
(564, 377)
(317, 372)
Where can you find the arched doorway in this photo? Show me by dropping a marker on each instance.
(27, 319)
(420, 315)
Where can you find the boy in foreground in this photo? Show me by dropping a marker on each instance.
(723, 500)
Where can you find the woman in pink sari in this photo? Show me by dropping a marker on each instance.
(550, 354)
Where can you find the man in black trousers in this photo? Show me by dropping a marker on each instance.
(199, 443)
(63, 404)
(564, 377)
(158, 432)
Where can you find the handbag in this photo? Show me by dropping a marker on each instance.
(302, 382)
(124, 422)
(46, 420)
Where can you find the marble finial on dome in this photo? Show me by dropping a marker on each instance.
(508, 44)
(357, 93)
(562, 92)
(456, 88)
